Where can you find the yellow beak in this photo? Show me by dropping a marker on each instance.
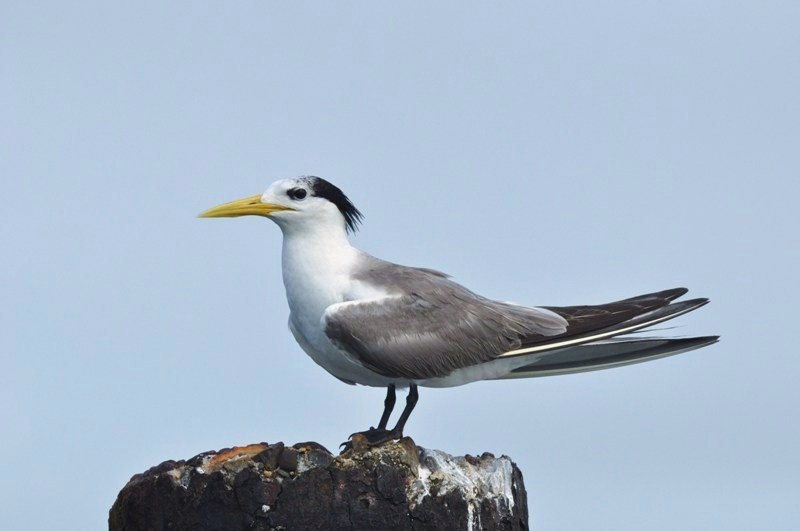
(249, 206)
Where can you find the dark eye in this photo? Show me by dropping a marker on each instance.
(297, 193)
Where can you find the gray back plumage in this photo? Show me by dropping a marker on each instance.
(430, 326)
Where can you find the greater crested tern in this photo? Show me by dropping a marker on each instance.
(371, 322)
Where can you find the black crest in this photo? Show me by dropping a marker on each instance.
(322, 188)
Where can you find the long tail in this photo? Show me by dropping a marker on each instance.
(606, 354)
(600, 337)
(589, 324)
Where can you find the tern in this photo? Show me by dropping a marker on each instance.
(371, 322)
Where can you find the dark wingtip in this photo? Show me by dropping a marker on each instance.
(688, 305)
(665, 296)
(707, 340)
(672, 294)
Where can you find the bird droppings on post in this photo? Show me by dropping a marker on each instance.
(392, 486)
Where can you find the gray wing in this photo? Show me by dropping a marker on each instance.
(429, 325)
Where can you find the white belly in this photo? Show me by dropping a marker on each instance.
(334, 360)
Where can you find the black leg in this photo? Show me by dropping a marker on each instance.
(411, 401)
(380, 435)
(388, 406)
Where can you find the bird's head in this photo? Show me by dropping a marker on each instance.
(296, 204)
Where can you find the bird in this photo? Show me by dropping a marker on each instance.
(375, 323)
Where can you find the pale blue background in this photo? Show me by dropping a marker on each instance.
(541, 152)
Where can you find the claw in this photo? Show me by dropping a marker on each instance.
(366, 433)
(361, 440)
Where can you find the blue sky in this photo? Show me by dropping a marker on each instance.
(542, 152)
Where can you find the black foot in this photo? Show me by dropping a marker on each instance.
(371, 437)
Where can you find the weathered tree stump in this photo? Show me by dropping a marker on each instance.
(273, 486)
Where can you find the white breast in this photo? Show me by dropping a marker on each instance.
(317, 274)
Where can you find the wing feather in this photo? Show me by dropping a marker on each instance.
(429, 326)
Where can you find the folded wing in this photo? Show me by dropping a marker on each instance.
(432, 326)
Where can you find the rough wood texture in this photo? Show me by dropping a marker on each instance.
(273, 486)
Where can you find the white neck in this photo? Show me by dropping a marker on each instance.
(317, 262)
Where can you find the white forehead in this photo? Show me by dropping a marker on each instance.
(280, 187)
